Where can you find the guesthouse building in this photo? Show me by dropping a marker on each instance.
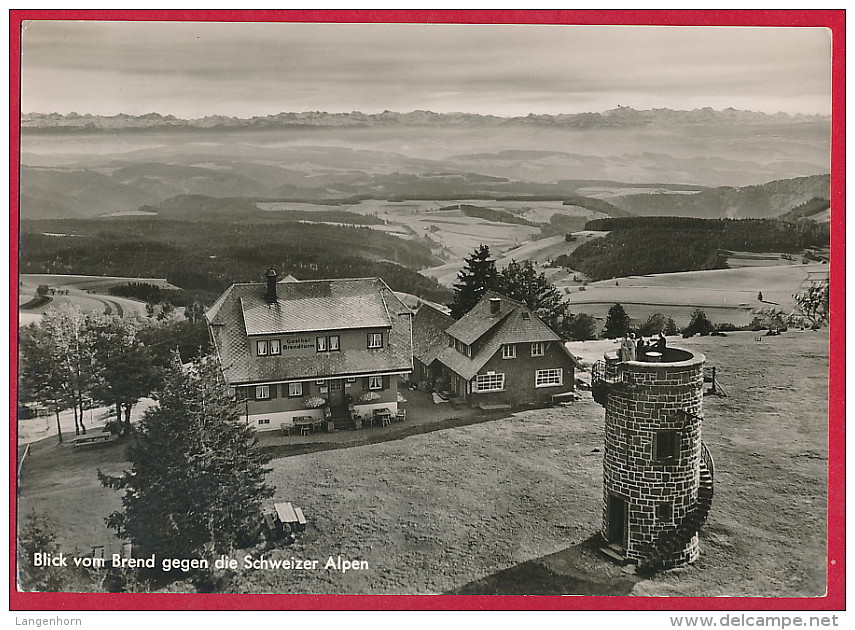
(498, 354)
(296, 349)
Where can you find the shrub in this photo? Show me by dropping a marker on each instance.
(699, 324)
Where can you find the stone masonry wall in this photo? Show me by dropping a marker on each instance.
(651, 398)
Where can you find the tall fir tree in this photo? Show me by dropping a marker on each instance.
(617, 322)
(478, 274)
(196, 481)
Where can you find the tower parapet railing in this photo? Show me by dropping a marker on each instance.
(605, 374)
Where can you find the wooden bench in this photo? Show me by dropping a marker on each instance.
(496, 407)
(564, 397)
(94, 438)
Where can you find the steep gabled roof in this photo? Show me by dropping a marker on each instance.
(312, 306)
(429, 336)
(477, 322)
(303, 307)
(514, 323)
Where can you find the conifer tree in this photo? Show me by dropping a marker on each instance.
(478, 275)
(197, 475)
(617, 322)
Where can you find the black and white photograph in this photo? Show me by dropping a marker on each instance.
(401, 308)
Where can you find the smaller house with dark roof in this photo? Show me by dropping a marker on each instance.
(295, 348)
(500, 352)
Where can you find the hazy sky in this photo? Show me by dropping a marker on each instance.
(246, 69)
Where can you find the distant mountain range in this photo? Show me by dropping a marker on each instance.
(620, 117)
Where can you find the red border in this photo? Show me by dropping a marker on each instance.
(835, 597)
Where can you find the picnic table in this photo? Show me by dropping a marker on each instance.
(304, 423)
(384, 415)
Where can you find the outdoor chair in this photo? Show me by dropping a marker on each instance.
(401, 415)
(285, 427)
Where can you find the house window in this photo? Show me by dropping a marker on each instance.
(261, 348)
(537, 349)
(509, 351)
(350, 380)
(375, 340)
(548, 378)
(275, 346)
(262, 392)
(295, 389)
(490, 382)
(666, 446)
(262, 421)
(335, 345)
(321, 344)
(663, 511)
(375, 382)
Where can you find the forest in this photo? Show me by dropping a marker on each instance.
(499, 216)
(208, 256)
(645, 245)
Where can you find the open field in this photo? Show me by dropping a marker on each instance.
(725, 295)
(85, 291)
(438, 511)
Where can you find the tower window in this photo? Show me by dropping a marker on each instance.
(666, 446)
(663, 511)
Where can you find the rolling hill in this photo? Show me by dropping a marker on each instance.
(134, 160)
(769, 200)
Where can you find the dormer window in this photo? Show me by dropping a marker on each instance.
(262, 348)
(275, 347)
(537, 349)
(375, 340)
(321, 344)
(509, 351)
(463, 348)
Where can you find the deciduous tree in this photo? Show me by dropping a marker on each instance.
(812, 304)
(521, 282)
(582, 327)
(699, 324)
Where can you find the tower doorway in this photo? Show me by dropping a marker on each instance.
(618, 517)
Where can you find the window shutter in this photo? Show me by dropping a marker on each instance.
(365, 384)
(274, 390)
(385, 382)
(284, 390)
(254, 391)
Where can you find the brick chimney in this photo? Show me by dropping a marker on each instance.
(495, 305)
(270, 295)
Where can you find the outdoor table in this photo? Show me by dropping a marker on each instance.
(384, 415)
(304, 421)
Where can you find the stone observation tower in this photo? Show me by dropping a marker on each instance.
(657, 472)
